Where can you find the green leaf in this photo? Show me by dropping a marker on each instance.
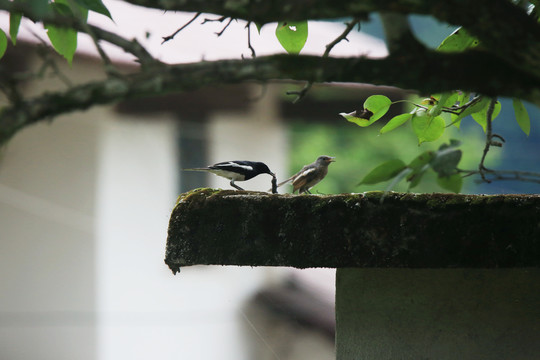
(76, 10)
(427, 128)
(259, 27)
(446, 160)
(458, 41)
(64, 40)
(375, 107)
(395, 122)
(14, 24)
(415, 178)
(477, 107)
(94, 5)
(447, 99)
(522, 117)
(419, 167)
(461, 100)
(292, 35)
(39, 7)
(421, 160)
(452, 182)
(383, 172)
(378, 105)
(361, 118)
(481, 116)
(442, 99)
(3, 43)
(451, 99)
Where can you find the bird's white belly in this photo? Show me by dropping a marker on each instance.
(229, 175)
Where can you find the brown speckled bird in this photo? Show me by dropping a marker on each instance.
(310, 175)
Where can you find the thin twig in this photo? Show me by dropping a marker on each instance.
(300, 93)
(516, 177)
(170, 37)
(458, 110)
(130, 46)
(219, 19)
(489, 137)
(48, 61)
(350, 26)
(503, 175)
(514, 173)
(56, 70)
(343, 36)
(224, 28)
(249, 40)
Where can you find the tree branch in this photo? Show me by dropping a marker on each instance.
(186, 77)
(504, 175)
(489, 138)
(500, 25)
(398, 33)
(350, 26)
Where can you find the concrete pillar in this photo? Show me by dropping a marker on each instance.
(438, 313)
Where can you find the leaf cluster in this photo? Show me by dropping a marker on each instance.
(444, 162)
(429, 119)
(63, 38)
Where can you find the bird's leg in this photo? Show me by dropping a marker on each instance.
(235, 186)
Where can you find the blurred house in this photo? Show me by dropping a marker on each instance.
(85, 200)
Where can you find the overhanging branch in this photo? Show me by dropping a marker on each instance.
(500, 25)
(436, 72)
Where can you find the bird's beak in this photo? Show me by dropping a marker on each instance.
(332, 159)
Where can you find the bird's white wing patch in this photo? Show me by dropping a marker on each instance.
(233, 164)
(301, 178)
(306, 172)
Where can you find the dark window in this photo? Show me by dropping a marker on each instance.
(193, 149)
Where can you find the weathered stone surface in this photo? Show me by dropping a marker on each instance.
(226, 227)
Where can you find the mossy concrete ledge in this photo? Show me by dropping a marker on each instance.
(224, 227)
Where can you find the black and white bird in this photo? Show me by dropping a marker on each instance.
(310, 175)
(238, 170)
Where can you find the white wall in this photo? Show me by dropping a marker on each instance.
(47, 247)
(256, 135)
(145, 311)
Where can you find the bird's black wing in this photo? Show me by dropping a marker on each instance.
(235, 170)
(234, 166)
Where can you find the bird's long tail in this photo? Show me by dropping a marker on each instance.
(196, 169)
(285, 181)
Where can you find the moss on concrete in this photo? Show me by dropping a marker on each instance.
(228, 227)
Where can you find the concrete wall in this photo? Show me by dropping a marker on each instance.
(438, 314)
(47, 242)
